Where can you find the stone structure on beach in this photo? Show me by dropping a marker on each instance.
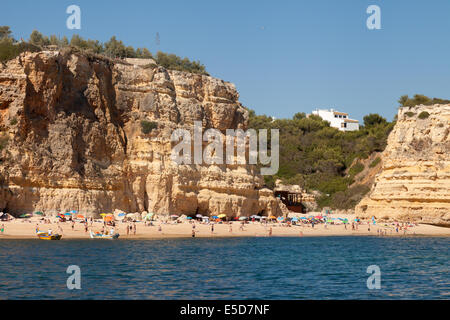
(71, 139)
(293, 195)
(415, 180)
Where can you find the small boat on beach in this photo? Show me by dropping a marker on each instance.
(98, 235)
(45, 236)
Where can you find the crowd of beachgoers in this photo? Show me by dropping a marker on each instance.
(132, 226)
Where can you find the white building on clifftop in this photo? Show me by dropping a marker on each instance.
(337, 119)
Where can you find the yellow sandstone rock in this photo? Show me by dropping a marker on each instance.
(415, 180)
(74, 139)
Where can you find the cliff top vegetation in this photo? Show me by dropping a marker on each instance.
(116, 49)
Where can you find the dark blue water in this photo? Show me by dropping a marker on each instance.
(239, 268)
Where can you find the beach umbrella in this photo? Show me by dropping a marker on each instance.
(280, 218)
(103, 214)
(205, 217)
(149, 216)
(39, 213)
(73, 211)
(67, 214)
(198, 216)
(303, 218)
(189, 218)
(121, 214)
(294, 219)
(25, 215)
(80, 216)
(222, 215)
(318, 217)
(272, 217)
(243, 218)
(108, 218)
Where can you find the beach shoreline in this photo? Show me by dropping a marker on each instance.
(25, 230)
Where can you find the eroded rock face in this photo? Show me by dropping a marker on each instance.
(415, 180)
(73, 125)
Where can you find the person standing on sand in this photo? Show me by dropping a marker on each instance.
(159, 228)
(3, 228)
(193, 233)
(73, 225)
(270, 232)
(134, 228)
(128, 230)
(212, 228)
(231, 228)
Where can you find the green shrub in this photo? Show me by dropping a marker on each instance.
(113, 48)
(406, 101)
(318, 157)
(375, 162)
(174, 62)
(373, 119)
(349, 198)
(148, 126)
(354, 170)
(13, 121)
(410, 114)
(424, 115)
(269, 182)
(8, 50)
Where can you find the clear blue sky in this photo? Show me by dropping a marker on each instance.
(284, 56)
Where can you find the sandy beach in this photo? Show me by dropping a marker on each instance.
(25, 229)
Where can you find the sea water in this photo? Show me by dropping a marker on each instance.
(227, 268)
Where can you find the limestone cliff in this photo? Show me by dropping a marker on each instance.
(72, 139)
(415, 180)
